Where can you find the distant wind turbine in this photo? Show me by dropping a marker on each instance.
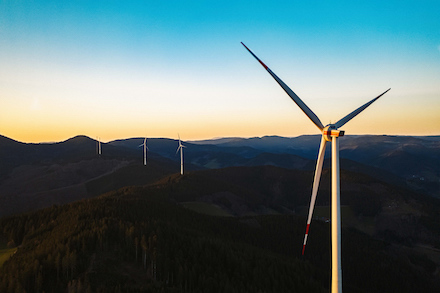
(181, 146)
(331, 133)
(145, 150)
(98, 145)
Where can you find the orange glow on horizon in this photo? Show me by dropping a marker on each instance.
(197, 130)
(45, 121)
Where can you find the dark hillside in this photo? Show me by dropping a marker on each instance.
(34, 176)
(133, 240)
(132, 175)
(141, 240)
(38, 175)
(14, 154)
(414, 159)
(30, 187)
(383, 211)
(281, 160)
(148, 238)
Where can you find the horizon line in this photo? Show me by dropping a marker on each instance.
(211, 139)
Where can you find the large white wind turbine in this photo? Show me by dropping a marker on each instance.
(181, 146)
(145, 150)
(331, 133)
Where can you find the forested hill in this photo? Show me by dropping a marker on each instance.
(143, 239)
(34, 176)
(134, 240)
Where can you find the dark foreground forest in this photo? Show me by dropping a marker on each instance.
(141, 239)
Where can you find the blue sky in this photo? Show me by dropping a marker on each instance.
(118, 69)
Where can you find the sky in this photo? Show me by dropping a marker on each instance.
(121, 69)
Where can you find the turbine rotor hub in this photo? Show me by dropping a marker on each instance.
(330, 131)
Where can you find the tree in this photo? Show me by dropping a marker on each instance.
(144, 250)
(136, 243)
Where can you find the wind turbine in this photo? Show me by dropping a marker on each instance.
(181, 146)
(98, 145)
(145, 150)
(331, 133)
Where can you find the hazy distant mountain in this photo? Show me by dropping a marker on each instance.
(37, 175)
(305, 146)
(167, 147)
(414, 159)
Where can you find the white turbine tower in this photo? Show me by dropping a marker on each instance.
(98, 146)
(145, 150)
(331, 133)
(181, 146)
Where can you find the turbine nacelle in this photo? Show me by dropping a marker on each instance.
(330, 131)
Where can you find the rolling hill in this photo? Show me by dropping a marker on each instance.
(145, 239)
(35, 176)
(154, 230)
(415, 160)
(62, 172)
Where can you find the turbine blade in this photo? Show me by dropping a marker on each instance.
(178, 149)
(318, 171)
(312, 116)
(358, 110)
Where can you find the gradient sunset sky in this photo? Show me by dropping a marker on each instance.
(120, 69)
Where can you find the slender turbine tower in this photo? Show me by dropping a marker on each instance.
(98, 145)
(145, 150)
(331, 133)
(181, 146)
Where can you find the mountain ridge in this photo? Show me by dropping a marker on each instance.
(405, 161)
